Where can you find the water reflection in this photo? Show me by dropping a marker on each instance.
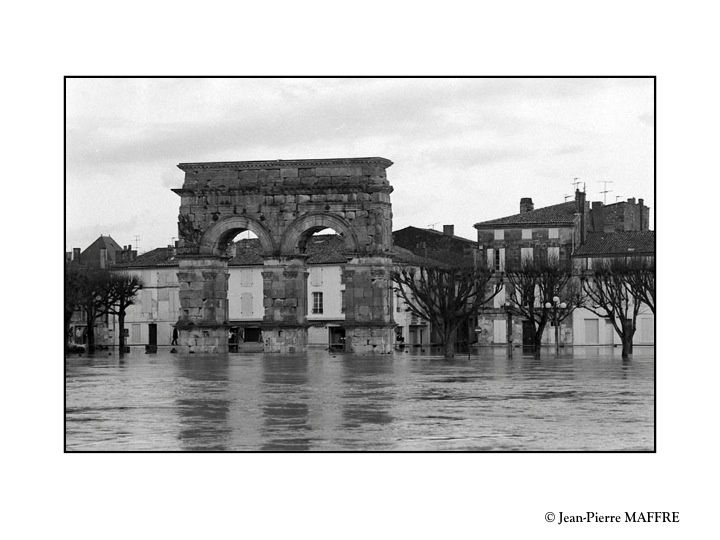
(285, 409)
(203, 402)
(320, 401)
(368, 391)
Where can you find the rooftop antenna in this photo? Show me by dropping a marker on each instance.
(567, 197)
(137, 243)
(618, 197)
(605, 190)
(432, 225)
(575, 183)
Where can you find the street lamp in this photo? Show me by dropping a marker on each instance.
(557, 308)
(509, 328)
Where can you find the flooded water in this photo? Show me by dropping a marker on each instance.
(590, 400)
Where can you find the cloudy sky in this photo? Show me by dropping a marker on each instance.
(464, 150)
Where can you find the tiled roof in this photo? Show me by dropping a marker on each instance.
(322, 249)
(557, 213)
(156, 257)
(415, 245)
(617, 243)
(103, 242)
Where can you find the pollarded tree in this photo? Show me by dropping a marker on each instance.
(123, 290)
(532, 285)
(73, 295)
(610, 296)
(93, 299)
(446, 295)
(641, 279)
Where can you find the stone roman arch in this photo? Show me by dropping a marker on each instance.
(216, 238)
(283, 203)
(297, 233)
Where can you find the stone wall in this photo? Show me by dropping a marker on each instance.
(283, 203)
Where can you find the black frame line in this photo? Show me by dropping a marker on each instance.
(653, 77)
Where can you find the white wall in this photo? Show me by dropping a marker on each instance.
(644, 333)
(327, 280)
(157, 302)
(245, 293)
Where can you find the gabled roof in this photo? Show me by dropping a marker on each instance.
(558, 214)
(625, 243)
(103, 242)
(413, 244)
(156, 257)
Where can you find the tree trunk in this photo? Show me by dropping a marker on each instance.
(537, 341)
(627, 338)
(121, 336)
(67, 331)
(449, 343)
(90, 333)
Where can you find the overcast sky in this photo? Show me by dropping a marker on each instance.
(464, 150)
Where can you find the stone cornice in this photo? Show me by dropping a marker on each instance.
(288, 188)
(281, 163)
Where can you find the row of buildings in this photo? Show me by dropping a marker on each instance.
(574, 232)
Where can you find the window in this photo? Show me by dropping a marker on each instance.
(499, 299)
(317, 303)
(527, 234)
(316, 277)
(553, 233)
(246, 305)
(553, 254)
(499, 260)
(246, 277)
(499, 234)
(526, 254)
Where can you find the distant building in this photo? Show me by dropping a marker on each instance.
(605, 247)
(415, 246)
(103, 253)
(575, 234)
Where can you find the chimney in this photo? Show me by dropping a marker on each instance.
(580, 209)
(76, 254)
(449, 230)
(597, 216)
(526, 205)
(631, 200)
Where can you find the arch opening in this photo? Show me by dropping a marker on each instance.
(322, 245)
(227, 236)
(312, 231)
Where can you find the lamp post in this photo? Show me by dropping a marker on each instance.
(557, 308)
(509, 329)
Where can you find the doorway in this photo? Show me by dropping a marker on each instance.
(336, 336)
(528, 333)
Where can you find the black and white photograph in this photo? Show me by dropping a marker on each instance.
(378, 270)
(360, 264)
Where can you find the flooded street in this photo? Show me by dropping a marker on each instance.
(590, 400)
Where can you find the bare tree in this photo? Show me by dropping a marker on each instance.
(123, 289)
(536, 283)
(444, 295)
(641, 279)
(93, 299)
(72, 297)
(610, 296)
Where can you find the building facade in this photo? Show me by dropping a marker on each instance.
(568, 233)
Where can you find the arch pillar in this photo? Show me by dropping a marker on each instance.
(285, 300)
(203, 283)
(369, 323)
